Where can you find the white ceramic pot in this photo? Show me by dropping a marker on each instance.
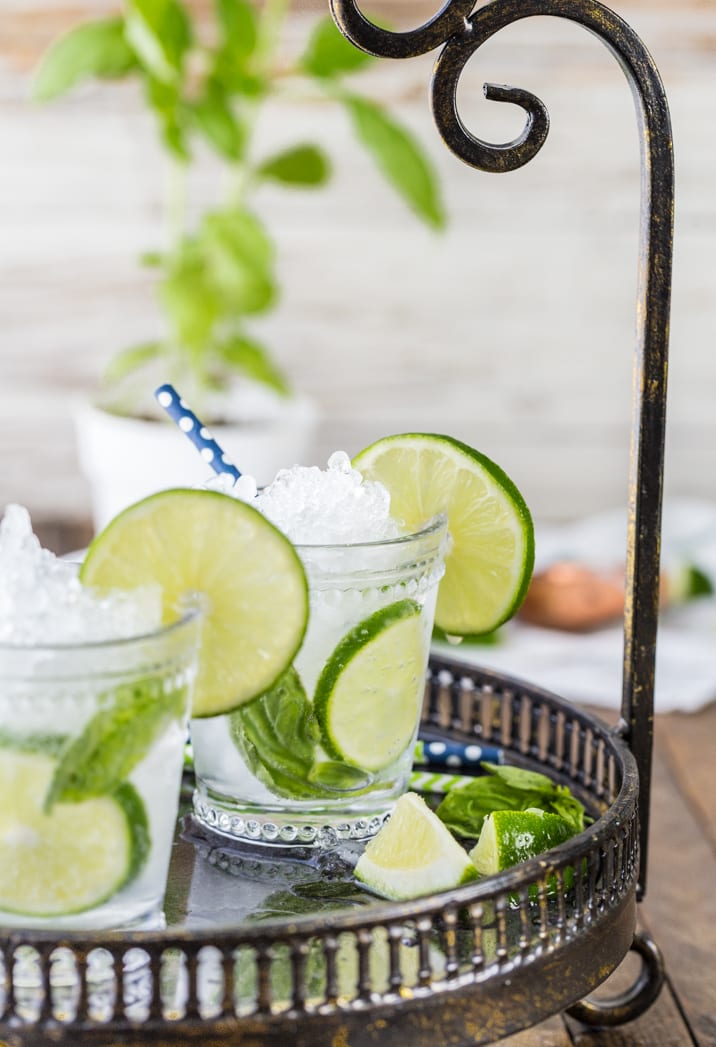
(125, 459)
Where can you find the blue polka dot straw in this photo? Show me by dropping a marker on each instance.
(182, 415)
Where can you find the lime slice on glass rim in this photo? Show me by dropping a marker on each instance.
(413, 855)
(489, 563)
(369, 692)
(198, 541)
(71, 858)
(510, 837)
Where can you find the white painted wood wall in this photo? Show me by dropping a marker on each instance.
(513, 331)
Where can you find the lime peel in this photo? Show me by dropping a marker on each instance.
(489, 564)
(368, 695)
(200, 541)
(69, 860)
(413, 855)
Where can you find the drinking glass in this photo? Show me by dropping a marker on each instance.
(92, 739)
(324, 754)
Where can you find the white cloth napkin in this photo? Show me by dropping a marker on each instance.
(588, 667)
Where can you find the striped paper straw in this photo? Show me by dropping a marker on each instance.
(182, 415)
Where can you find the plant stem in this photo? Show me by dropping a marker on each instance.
(270, 26)
(176, 197)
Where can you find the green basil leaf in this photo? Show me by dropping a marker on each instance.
(160, 34)
(276, 736)
(171, 113)
(400, 158)
(238, 23)
(131, 359)
(305, 165)
(328, 53)
(239, 256)
(464, 809)
(218, 123)
(115, 740)
(253, 360)
(507, 789)
(519, 778)
(188, 297)
(96, 48)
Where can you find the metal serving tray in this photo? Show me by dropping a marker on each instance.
(258, 952)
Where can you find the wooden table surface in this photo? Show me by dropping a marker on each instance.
(679, 909)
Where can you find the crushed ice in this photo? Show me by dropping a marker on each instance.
(42, 600)
(329, 506)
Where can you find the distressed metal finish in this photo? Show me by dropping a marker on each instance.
(654, 293)
(482, 961)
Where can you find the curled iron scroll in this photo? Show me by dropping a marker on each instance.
(460, 32)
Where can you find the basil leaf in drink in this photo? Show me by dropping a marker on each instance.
(277, 736)
(115, 740)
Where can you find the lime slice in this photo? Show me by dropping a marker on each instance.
(368, 695)
(254, 584)
(413, 855)
(510, 837)
(489, 565)
(73, 858)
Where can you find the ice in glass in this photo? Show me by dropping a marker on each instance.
(323, 755)
(94, 703)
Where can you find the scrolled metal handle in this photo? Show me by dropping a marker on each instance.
(629, 1005)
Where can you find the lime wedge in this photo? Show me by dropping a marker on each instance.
(368, 695)
(510, 837)
(413, 855)
(489, 565)
(195, 541)
(73, 858)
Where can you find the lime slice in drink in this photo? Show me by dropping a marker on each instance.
(368, 695)
(413, 855)
(72, 858)
(509, 837)
(489, 564)
(195, 541)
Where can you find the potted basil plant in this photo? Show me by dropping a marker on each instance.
(206, 82)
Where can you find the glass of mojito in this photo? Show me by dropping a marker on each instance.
(323, 754)
(94, 704)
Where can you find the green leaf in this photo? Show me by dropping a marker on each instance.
(218, 123)
(238, 24)
(507, 789)
(277, 735)
(91, 49)
(188, 297)
(305, 165)
(519, 778)
(128, 360)
(328, 53)
(171, 114)
(400, 158)
(239, 257)
(160, 33)
(115, 740)
(253, 360)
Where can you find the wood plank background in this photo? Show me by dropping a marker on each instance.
(513, 331)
